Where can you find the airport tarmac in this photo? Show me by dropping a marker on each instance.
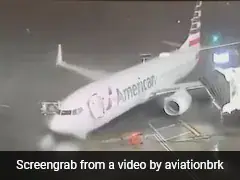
(28, 73)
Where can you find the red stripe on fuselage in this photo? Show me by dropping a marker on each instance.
(194, 41)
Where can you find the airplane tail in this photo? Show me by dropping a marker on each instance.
(194, 37)
(193, 40)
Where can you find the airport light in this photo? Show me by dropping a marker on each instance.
(221, 58)
(215, 38)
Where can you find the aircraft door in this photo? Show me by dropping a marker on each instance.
(96, 106)
(101, 102)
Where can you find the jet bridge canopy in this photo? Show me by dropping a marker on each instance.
(218, 88)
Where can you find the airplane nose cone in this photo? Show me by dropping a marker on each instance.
(58, 124)
(69, 125)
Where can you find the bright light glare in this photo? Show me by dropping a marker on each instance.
(215, 38)
(221, 58)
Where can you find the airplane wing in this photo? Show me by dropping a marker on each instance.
(89, 73)
(187, 86)
(99, 74)
(174, 44)
(219, 46)
(4, 106)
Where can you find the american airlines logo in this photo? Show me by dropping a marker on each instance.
(135, 89)
(196, 24)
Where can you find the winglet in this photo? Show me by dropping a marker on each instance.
(59, 60)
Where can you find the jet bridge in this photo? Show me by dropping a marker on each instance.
(217, 87)
(223, 85)
(231, 110)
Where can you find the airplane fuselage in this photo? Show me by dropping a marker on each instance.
(104, 100)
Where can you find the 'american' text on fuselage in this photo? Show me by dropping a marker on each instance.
(136, 88)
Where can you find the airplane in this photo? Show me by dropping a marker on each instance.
(111, 95)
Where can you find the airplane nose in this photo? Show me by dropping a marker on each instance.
(69, 125)
(58, 124)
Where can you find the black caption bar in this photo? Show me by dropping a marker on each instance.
(190, 165)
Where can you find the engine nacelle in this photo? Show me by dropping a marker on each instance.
(178, 103)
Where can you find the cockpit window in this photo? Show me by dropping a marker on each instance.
(71, 112)
(65, 112)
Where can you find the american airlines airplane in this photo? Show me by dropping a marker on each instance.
(99, 102)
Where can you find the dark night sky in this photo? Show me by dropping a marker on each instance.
(109, 22)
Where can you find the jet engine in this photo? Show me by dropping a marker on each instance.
(178, 103)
